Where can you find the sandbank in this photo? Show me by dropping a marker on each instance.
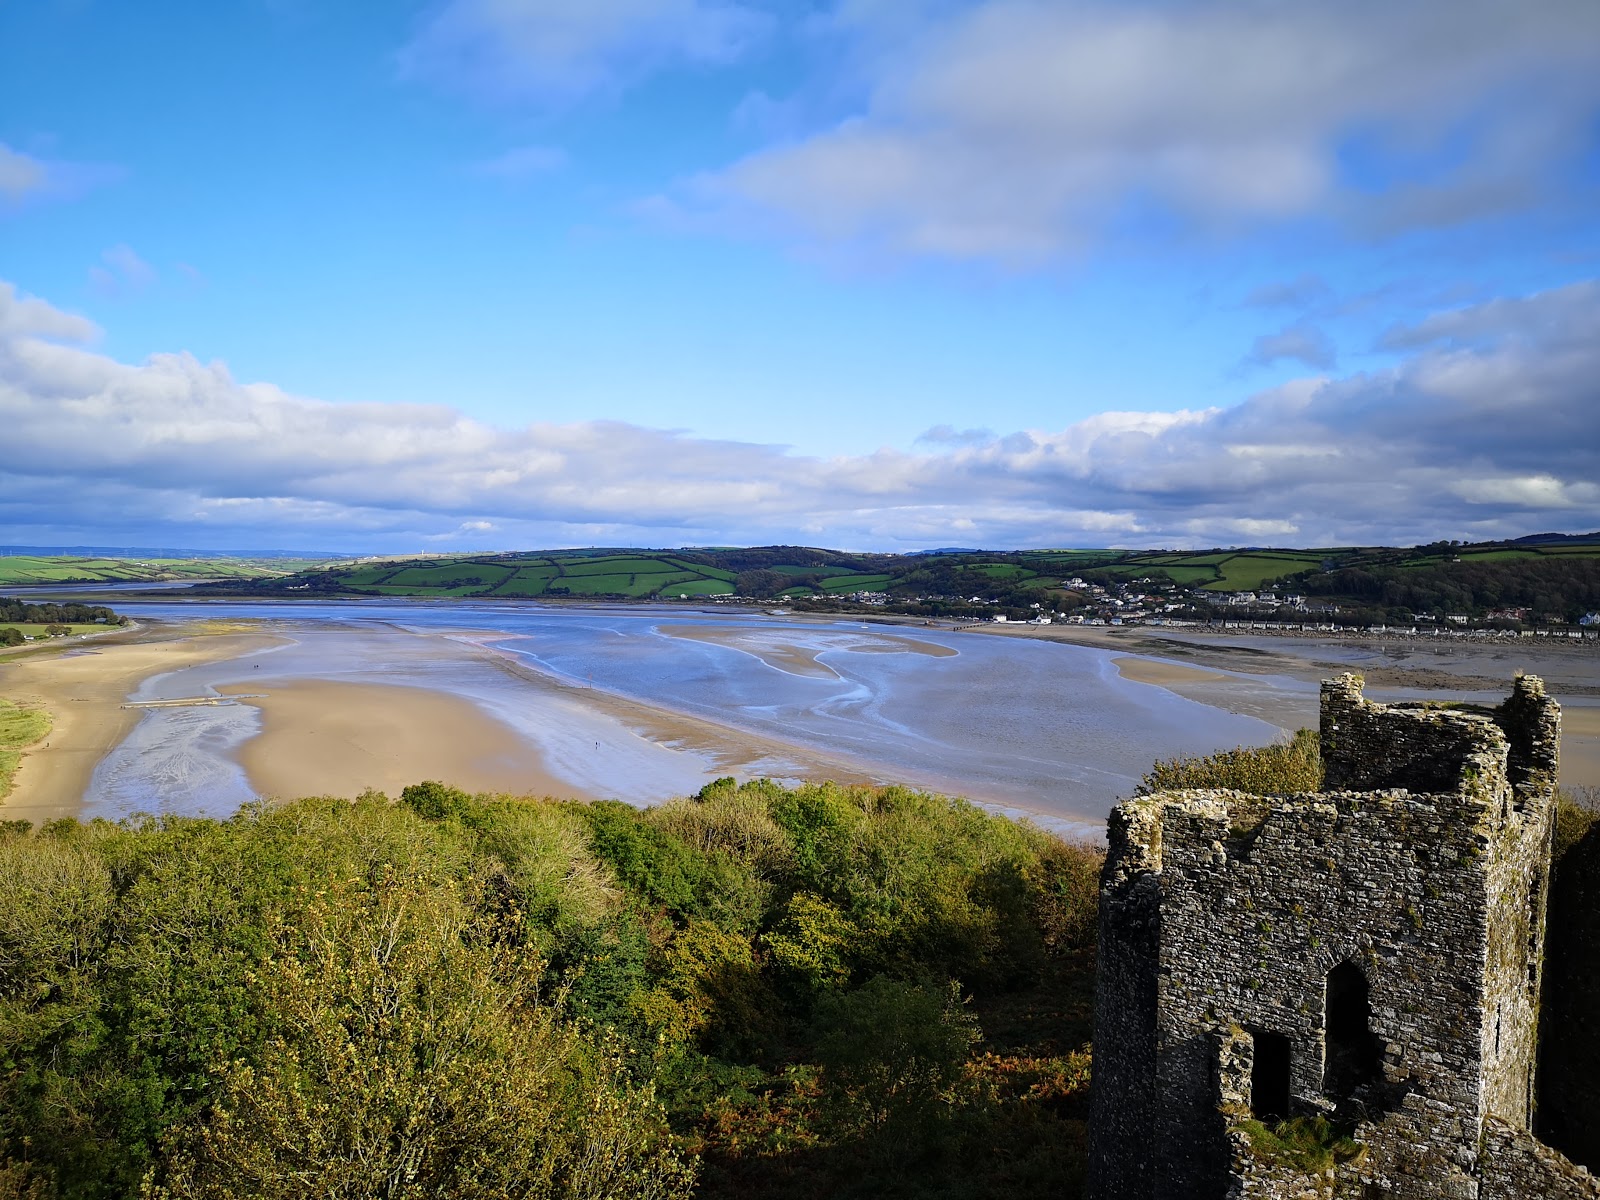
(1235, 691)
(323, 737)
(84, 688)
(800, 658)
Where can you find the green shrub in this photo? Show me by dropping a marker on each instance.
(894, 1053)
(1306, 1144)
(1292, 766)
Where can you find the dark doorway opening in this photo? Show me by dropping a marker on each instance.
(1269, 1076)
(1352, 1048)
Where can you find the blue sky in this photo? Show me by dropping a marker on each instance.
(879, 274)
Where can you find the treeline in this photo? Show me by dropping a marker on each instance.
(16, 612)
(756, 991)
(1561, 586)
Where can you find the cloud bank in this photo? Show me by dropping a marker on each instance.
(1020, 130)
(1486, 429)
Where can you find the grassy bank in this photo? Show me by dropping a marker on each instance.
(19, 728)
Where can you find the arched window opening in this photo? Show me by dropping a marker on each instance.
(1352, 1055)
(1269, 1076)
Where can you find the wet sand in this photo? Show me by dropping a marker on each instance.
(323, 737)
(799, 658)
(84, 690)
(734, 751)
(1568, 675)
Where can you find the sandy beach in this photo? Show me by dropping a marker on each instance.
(321, 737)
(84, 688)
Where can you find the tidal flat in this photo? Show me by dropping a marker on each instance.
(640, 703)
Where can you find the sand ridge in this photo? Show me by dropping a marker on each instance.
(330, 737)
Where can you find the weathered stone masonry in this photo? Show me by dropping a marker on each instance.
(1371, 953)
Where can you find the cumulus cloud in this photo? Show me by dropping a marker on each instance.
(30, 317)
(562, 50)
(1481, 439)
(1017, 130)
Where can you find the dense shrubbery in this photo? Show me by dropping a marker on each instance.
(755, 991)
(1292, 766)
(1563, 586)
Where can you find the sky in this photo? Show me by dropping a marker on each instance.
(872, 274)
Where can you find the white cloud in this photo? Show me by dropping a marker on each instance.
(562, 50)
(120, 272)
(1489, 439)
(28, 317)
(1018, 130)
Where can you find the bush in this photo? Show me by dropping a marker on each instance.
(1292, 766)
(893, 1053)
(1308, 1144)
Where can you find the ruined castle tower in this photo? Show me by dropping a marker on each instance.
(1370, 954)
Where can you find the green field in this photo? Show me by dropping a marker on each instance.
(38, 631)
(700, 587)
(1247, 572)
(21, 568)
(856, 583)
(633, 575)
(1006, 577)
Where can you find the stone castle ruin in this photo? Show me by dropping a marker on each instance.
(1370, 954)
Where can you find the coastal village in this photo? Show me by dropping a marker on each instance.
(1154, 602)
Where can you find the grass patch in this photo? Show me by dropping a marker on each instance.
(1246, 572)
(19, 728)
(1307, 1144)
(1292, 766)
(24, 568)
(620, 566)
(38, 631)
(699, 587)
(856, 583)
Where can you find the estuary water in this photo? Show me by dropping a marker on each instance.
(1028, 726)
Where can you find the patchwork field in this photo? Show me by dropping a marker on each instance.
(25, 569)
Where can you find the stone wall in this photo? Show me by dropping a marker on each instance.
(1379, 945)
(1517, 1166)
(1125, 1006)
